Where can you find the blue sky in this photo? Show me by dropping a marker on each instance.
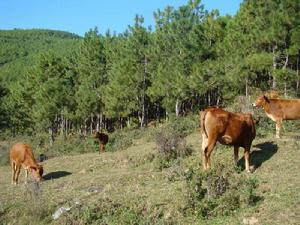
(78, 16)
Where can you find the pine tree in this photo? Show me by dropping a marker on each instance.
(92, 77)
(128, 76)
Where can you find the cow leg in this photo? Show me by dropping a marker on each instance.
(101, 148)
(247, 159)
(18, 170)
(13, 174)
(236, 154)
(278, 127)
(210, 148)
(206, 151)
(204, 145)
(26, 175)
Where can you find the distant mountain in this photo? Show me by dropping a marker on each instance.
(19, 49)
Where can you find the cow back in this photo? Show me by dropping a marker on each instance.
(227, 127)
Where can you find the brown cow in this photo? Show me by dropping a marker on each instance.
(228, 128)
(279, 109)
(103, 139)
(22, 155)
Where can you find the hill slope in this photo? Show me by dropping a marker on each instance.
(109, 188)
(20, 48)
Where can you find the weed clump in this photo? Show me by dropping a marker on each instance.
(170, 145)
(121, 139)
(4, 154)
(109, 211)
(220, 191)
(35, 207)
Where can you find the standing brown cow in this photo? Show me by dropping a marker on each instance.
(228, 128)
(279, 109)
(103, 139)
(22, 155)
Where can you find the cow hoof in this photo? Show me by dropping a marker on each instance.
(251, 169)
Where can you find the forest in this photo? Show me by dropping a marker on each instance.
(60, 83)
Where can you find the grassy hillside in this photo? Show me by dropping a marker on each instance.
(126, 187)
(20, 48)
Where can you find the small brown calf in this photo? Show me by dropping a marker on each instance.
(279, 109)
(22, 155)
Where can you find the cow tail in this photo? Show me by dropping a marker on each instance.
(202, 122)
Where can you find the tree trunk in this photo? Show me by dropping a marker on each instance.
(85, 128)
(91, 123)
(177, 107)
(157, 113)
(274, 67)
(101, 121)
(62, 124)
(143, 93)
(167, 116)
(218, 96)
(51, 137)
(285, 80)
(67, 126)
(246, 87)
(208, 98)
(298, 82)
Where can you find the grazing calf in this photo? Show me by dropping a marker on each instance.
(279, 109)
(228, 128)
(103, 139)
(22, 155)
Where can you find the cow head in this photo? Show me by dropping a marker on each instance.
(37, 172)
(261, 101)
(96, 134)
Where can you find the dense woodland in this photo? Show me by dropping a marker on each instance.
(61, 83)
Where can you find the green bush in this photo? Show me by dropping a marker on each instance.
(121, 139)
(170, 140)
(4, 154)
(108, 211)
(170, 146)
(34, 197)
(184, 125)
(219, 192)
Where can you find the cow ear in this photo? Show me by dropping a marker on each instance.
(33, 168)
(266, 98)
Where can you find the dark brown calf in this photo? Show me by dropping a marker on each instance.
(103, 139)
(228, 128)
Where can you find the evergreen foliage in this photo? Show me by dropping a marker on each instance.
(60, 83)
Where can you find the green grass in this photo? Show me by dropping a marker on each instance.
(124, 187)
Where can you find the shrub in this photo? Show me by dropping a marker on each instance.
(219, 191)
(184, 125)
(170, 145)
(121, 139)
(35, 207)
(108, 211)
(4, 154)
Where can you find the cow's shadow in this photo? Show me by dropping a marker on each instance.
(56, 175)
(260, 153)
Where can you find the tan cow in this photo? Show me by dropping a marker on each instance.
(279, 109)
(103, 139)
(22, 155)
(235, 129)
